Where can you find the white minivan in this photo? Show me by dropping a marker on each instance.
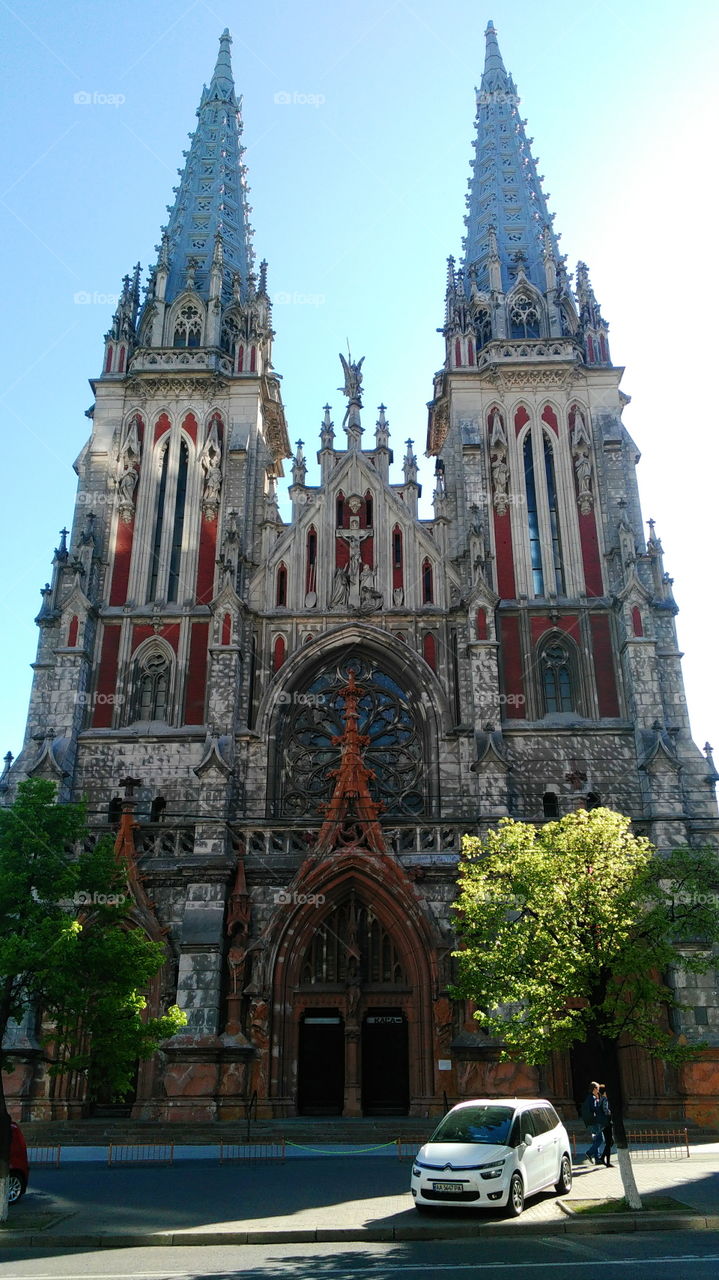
(493, 1152)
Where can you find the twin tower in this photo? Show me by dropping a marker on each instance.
(304, 718)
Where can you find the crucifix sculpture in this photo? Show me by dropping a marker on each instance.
(346, 587)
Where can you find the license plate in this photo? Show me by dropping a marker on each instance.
(446, 1186)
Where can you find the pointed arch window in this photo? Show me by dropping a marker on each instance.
(178, 524)
(553, 516)
(557, 677)
(153, 678)
(188, 327)
(281, 587)
(159, 521)
(311, 570)
(340, 512)
(397, 559)
(535, 545)
(550, 804)
(524, 317)
(352, 942)
(427, 582)
(483, 329)
(229, 335)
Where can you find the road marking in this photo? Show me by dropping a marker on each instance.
(376, 1271)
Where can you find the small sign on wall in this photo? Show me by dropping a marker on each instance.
(444, 1064)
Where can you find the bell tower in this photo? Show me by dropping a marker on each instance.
(573, 613)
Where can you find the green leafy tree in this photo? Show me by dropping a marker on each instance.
(569, 932)
(66, 949)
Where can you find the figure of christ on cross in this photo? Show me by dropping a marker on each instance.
(354, 537)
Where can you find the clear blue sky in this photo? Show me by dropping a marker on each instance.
(357, 186)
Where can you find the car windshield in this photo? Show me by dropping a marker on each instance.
(475, 1124)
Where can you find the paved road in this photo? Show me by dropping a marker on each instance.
(356, 1192)
(644, 1256)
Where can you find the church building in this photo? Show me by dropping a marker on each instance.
(292, 724)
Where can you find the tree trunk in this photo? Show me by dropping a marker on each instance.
(609, 1059)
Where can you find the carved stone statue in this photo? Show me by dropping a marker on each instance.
(581, 448)
(370, 598)
(128, 473)
(211, 459)
(340, 589)
(353, 380)
(500, 482)
(126, 486)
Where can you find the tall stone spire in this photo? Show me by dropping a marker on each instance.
(505, 194)
(211, 200)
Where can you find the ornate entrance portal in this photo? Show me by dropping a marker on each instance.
(352, 1018)
(353, 966)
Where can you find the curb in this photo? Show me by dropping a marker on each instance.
(618, 1223)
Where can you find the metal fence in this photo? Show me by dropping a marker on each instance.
(44, 1157)
(646, 1144)
(252, 1152)
(141, 1153)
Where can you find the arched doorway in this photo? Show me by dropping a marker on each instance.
(353, 1054)
(352, 997)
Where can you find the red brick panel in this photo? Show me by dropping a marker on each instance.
(197, 674)
(604, 665)
(106, 678)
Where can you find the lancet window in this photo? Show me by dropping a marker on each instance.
(188, 327)
(546, 560)
(557, 677)
(332, 954)
(169, 515)
(483, 328)
(153, 675)
(524, 317)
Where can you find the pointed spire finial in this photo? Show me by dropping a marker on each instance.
(222, 84)
(495, 74)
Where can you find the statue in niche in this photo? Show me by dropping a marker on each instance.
(126, 487)
(500, 481)
(581, 448)
(370, 598)
(211, 459)
(128, 474)
(499, 465)
(340, 589)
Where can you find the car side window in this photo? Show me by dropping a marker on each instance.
(515, 1136)
(527, 1123)
(552, 1118)
(539, 1120)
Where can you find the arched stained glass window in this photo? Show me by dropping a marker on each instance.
(178, 524)
(524, 317)
(553, 517)
(153, 686)
(557, 677)
(314, 716)
(535, 546)
(332, 954)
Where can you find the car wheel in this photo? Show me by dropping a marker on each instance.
(515, 1203)
(563, 1185)
(16, 1187)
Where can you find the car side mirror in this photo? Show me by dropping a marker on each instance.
(528, 1139)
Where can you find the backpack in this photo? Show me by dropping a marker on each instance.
(589, 1110)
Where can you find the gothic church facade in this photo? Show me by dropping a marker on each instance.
(295, 723)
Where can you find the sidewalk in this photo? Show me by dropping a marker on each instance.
(350, 1198)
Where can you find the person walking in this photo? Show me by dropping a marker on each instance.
(605, 1119)
(592, 1119)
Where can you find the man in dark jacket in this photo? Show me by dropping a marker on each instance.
(592, 1118)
